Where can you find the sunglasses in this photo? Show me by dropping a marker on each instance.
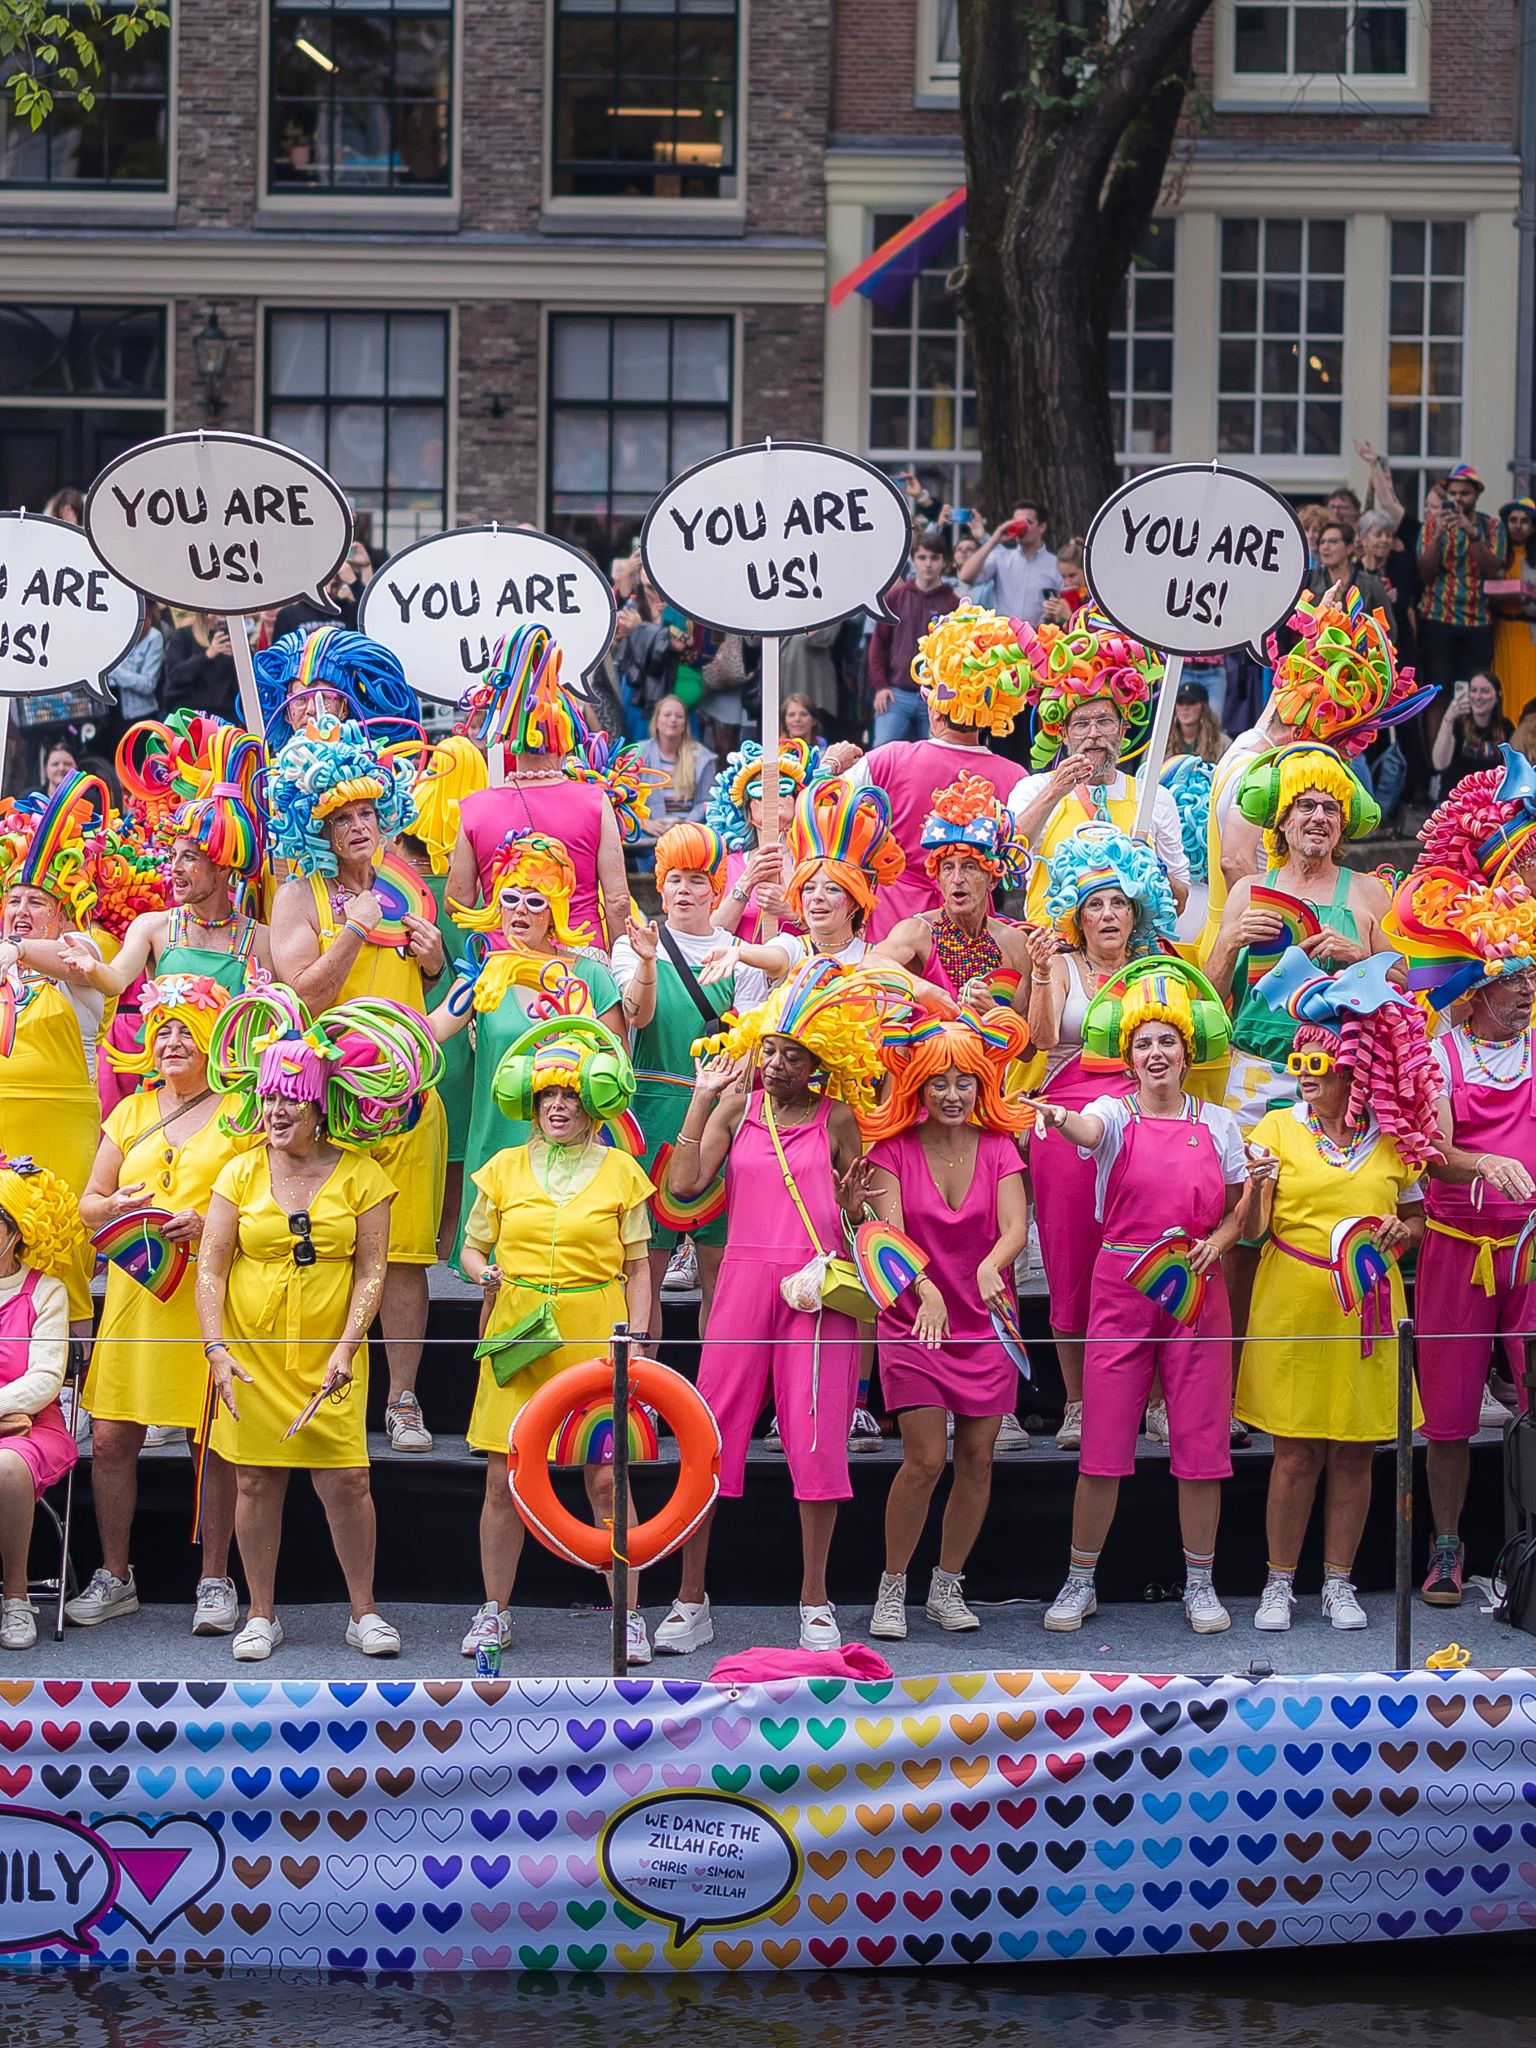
(522, 899)
(1315, 1063)
(299, 1225)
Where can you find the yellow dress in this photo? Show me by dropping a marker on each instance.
(147, 1363)
(49, 1108)
(580, 1243)
(1317, 1384)
(282, 1320)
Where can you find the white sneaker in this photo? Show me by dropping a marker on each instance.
(103, 1599)
(18, 1625)
(160, 1435)
(682, 1272)
(403, 1422)
(1492, 1414)
(1070, 1435)
(1155, 1429)
(864, 1432)
(773, 1441)
(1072, 1606)
(374, 1636)
(946, 1602)
(490, 1625)
(818, 1627)
(1341, 1605)
(218, 1608)
(1204, 1611)
(889, 1619)
(686, 1628)
(637, 1644)
(257, 1640)
(1275, 1604)
(1011, 1436)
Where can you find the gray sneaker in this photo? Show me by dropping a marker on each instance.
(1275, 1603)
(218, 1608)
(682, 1272)
(103, 1599)
(1206, 1615)
(1070, 1435)
(403, 1422)
(1072, 1606)
(1011, 1436)
(889, 1619)
(1341, 1605)
(946, 1602)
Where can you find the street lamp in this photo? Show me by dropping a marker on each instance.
(210, 351)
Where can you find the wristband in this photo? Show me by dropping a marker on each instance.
(352, 925)
(217, 1345)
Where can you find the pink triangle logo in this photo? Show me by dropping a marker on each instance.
(151, 1870)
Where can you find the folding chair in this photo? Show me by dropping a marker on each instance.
(64, 1585)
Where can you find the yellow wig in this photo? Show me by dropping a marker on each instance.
(453, 769)
(529, 860)
(843, 1016)
(191, 999)
(46, 1215)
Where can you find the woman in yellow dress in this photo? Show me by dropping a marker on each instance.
(291, 1271)
(1320, 1381)
(561, 1221)
(160, 1149)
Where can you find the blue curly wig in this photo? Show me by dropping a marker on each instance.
(1109, 860)
(1189, 778)
(321, 768)
(799, 764)
(331, 657)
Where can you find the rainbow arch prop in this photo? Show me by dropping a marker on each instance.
(138, 1245)
(586, 1435)
(1164, 1275)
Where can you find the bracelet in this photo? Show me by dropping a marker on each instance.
(218, 1344)
(1041, 981)
(739, 894)
(684, 1139)
(352, 925)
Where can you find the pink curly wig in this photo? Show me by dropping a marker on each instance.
(1391, 1073)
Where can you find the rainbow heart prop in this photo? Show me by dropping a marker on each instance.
(1524, 1271)
(586, 1435)
(1005, 1326)
(1164, 1275)
(888, 1261)
(403, 894)
(1298, 922)
(1357, 1263)
(138, 1244)
(670, 1210)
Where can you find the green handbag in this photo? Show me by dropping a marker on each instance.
(532, 1337)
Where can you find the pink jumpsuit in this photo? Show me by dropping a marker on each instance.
(1062, 1183)
(571, 812)
(1168, 1174)
(755, 1337)
(1457, 1311)
(48, 1450)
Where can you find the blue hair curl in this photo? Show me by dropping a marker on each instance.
(339, 762)
(1189, 779)
(1109, 860)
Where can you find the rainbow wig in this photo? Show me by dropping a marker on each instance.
(191, 999)
(224, 814)
(452, 770)
(321, 769)
(348, 664)
(978, 668)
(847, 831)
(843, 1016)
(529, 860)
(693, 849)
(130, 876)
(1485, 823)
(622, 777)
(1190, 779)
(54, 844)
(741, 780)
(968, 818)
(366, 1063)
(1457, 935)
(1339, 684)
(520, 702)
(1107, 859)
(157, 762)
(982, 1044)
(1090, 661)
(1166, 990)
(46, 1214)
(1272, 784)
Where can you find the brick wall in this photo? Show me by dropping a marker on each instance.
(498, 459)
(237, 317)
(501, 91)
(875, 75)
(218, 111)
(781, 374)
(789, 76)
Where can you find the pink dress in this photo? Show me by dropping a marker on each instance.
(972, 1374)
(912, 772)
(571, 812)
(1168, 1174)
(755, 1338)
(1062, 1183)
(49, 1449)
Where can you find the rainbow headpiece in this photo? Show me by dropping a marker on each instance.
(1485, 823)
(1272, 784)
(347, 664)
(982, 1044)
(366, 1062)
(529, 860)
(130, 875)
(849, 831)
(1375, 1031)
(54, 845)
(619, 773)
(1163, 990)
(1090, 661)
(978, 668)
(1457, 935)
(742, 779)
(321, 769)
(1339, 684)
(843, 1016)
(1190, 779)
(46, 1214)
(577, 1053)
(1099, 857)
(967, 818)
(520, 702)
(224, 814)
(157, 761)
(452, 770)
(195, 1000)
(692, 849)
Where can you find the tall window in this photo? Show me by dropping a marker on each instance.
(78, 386)
(366, 396)
(361, 96)
(1282, 338)
(1141, 352)
(922, 399)
(632, 402)
(1334, 38)
(1426, 324)
(645, 99)
(119, 143)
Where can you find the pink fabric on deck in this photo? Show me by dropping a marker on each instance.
(754, 1667)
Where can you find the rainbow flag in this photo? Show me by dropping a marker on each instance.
(888, 273)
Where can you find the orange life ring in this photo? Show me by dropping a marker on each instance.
(681, 1407)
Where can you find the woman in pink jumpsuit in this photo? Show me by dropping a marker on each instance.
(1162, 1160)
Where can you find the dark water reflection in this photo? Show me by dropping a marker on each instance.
(1455, 1991)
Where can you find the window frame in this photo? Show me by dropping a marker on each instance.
(1298, 458)
(962, 465)
(157, 198)
(1422, 465)
(936, 83)
(1126, 332)
(1237, 92)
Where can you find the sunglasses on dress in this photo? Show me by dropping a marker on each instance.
(299, 1225)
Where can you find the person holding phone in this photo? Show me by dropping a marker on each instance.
(1472, 730)
(1458, 547)
(200, 668)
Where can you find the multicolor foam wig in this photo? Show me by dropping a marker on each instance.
(1090, 661)
(619, 773)
(366, 1063)
(978, 667)
(46, 1213)
(843, 1016)
(520, 702)
(157, 761)
(742, 779)
(578, 1053)
(1103, 858)
(1339, 682)
(194, 1000)
(54, 844)
(130, 876)
(349, 665)
(1165, 990)
(1272, 784)
(982, 1044)
(224, 814)
(968, 818)
(692, 848)
(452, 770)
(1457, 935)
(534, 861)
(323, 768)
(1486, 823)
(848, 832)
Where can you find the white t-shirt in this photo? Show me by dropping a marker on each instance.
(1503, 1065)
(752, 985)
(1167, 832)
(1115, 1112)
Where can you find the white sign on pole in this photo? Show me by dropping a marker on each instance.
(778, 538)
(442, 604)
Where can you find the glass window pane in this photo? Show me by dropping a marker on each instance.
(890, 361)
(1239, 306)
(1407, 247)
(580, 353)
(1381, 42)
(1277, 429)
(1154, 304)
(358, 354)
(1239, 245)
(1259, 40)
(1320, 39)
(1282, 366)
(696, 436)
(1448, 247)
(1234, 427)
(1282, 307)
(1405, 306)
(360, 96)
(119, 142)
(640, 357)
(1325, 247)
(937, 423)
(415, 447)
(1325, 305)
(1323, 423)
(640, 451)
(357, 446)
(301, 427)
(1445, 309)
(416, 357)
(1402, 430)
(1405, 369)
(1154, 365)
(936, 357)
(644, 98)
(1151, 427)
(701, 359)
(579, 451)
(888, 422)
(1324, 367)
(296, 353)
(1235, 372)
(1282, 247)
(1444, 430)
(1445, 369)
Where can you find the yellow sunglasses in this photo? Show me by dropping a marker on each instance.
(1314, 1062)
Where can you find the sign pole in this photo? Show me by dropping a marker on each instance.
(1157, 747)
(768, 834)
(5, 737)
(620, 1639)
(245, 669)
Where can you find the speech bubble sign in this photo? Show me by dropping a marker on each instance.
(777, 538)
(1195, 559)
(698, 1859)
(442, 604)
(56, 1879)
(219, 522)
(64, 619)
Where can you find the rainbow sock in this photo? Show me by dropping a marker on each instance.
(1197, 1568)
